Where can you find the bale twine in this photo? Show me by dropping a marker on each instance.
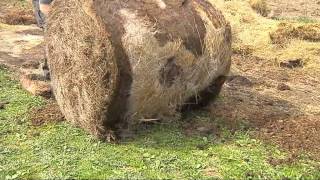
(118, 62)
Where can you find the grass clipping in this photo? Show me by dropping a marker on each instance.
(139, 65)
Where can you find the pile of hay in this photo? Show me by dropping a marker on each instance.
(251, 34)
(260, 6)
(289, 31)
(114, 63)
(18, 17)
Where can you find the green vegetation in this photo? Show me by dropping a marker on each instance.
(60, 150)
(301, 19)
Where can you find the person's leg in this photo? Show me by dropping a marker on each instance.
(45, 6)
(38, 15)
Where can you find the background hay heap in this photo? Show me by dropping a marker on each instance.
(113, 62)
(260, 6)
(253, 34)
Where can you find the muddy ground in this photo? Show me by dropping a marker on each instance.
(279, 102)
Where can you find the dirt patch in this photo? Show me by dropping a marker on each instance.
(31, 65)
(19, 46)
(283, 87)
(23, 51)
(9, 60)
(280, 104)
(290, 159)
(210, 172)
(195, 127)
(49, 113)
(36, 85)
(35, 54)
(35, 32)
(296, 134)
(3, 104)
(295, 9)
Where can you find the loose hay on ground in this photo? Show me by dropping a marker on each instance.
(289, 31)
(260, 6)
(251, 34)
(48, 113)
(18, 17)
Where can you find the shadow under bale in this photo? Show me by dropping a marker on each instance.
(114, 63)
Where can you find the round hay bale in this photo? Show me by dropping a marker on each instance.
(114, 62)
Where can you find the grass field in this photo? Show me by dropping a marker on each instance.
(59, 150)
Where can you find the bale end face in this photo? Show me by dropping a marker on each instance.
(149, 61)
(83, 67)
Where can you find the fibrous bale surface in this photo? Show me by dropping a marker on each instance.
(120, 61)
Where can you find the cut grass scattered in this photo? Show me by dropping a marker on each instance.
(61, 151)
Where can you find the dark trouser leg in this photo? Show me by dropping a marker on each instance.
(46, 1)
(40, 17)
(38, 14)
(45, 65)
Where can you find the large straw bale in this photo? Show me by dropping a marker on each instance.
(118, 62)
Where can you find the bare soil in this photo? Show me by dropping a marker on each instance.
(254, 98)
(20, 45)
(296, 134)
(295, 8)
(49, 113)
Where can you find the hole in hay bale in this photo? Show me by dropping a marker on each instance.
(205, 96)
(169, 72)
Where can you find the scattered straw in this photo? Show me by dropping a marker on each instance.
(252, 36)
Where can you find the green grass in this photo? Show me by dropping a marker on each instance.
(61, 151)
(301, 19)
